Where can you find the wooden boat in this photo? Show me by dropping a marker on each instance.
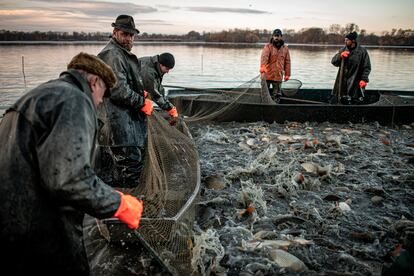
(385, 107)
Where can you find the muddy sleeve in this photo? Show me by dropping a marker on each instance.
(264, 59)
(64, 158)
(122, 93)
(366, 67)
(336, 59)
(155, 89)
(287, 63)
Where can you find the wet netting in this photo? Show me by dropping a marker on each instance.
(169, 187)
(228, 103)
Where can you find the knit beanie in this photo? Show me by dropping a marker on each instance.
(167, 60)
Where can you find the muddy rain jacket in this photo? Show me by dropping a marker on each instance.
(124, 122)
(357, 67)
(152, 78)
(122, 138)
(47, 184)
(276, 61)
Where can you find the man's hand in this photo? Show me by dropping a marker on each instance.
(174, 116)
(148, 107)
(287, 77)
(173, 121)
(344, 54)
(173, 112)
(263, 69)
(130, 210)
(362, 84)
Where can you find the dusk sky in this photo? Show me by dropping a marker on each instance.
(180, 17)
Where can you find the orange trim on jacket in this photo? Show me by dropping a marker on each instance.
(275, 61)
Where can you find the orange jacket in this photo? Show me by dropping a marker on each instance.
(275, 63)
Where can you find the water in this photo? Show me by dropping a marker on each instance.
(259, 167)
(200, 65)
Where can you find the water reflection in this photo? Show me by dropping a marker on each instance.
(198, 65)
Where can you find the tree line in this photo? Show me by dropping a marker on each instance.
(334, 34)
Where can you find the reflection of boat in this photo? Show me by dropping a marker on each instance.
(385, 107)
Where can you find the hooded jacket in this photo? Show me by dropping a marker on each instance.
(152, 78)
(276, 61)
(357, 67)
(47, 184)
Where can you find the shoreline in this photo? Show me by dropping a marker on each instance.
(193, 43)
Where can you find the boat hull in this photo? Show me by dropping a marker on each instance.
(400, 113)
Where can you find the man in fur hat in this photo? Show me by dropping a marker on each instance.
(123, 136)
(47, 142)
(152, 70)
(275, 64)
(356, 68)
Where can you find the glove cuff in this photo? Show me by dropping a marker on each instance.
(173, 112)
(129, 211)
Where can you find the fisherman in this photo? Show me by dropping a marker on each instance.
(47, 184)
(122, 139)
(352, 77)
(275, 64)
(152, 71)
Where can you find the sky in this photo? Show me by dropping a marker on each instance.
(181, 17)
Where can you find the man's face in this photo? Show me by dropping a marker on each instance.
(164, 69)
(98, 88)
(348, 43)
(277, 37)
(125, 39)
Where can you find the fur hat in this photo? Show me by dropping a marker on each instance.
(167, 59)
(126, 24)
(352, 36)
(94, 65)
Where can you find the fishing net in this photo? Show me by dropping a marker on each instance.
(229, 104)
(169, 187)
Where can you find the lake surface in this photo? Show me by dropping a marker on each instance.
(199, 65)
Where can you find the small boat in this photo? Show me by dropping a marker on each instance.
(383, 106)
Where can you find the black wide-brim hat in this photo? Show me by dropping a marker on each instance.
(126, 24)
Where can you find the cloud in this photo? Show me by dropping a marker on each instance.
(92, 8)
(44, 15)
(228, 10)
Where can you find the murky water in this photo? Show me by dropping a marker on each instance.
(333, 196)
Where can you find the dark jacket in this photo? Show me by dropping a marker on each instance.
(152, 78)
(47, 184)
(124, 122)
(356, 68)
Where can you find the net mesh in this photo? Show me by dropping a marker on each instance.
(228, 103)
(169, 187)
(171, 184)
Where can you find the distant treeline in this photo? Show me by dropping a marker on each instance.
(332, 35)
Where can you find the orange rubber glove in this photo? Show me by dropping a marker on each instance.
(263, 69)
(362, 84)
(344, 54)
(130, 210)
(148, 107)
(287, 78)
(173, 112)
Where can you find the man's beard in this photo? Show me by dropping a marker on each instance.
(127, 46)
(277, 43)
